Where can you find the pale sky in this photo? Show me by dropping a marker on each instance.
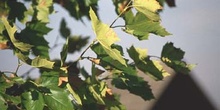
(193, 23)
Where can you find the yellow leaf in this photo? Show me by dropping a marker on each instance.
(151, 5)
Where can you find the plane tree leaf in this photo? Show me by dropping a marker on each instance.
(58, 98)
(24, 47)
(64, 52)
(78, 8)
(42, 9)
(34, 34)
(64, 30)
(140, 26)
(106, 37)
(108, 62)
(36, 62)
(148, 7)
(173, 57)
(134, 84)
(41, 62)
(145, 64)
(32, 100)
(17, 10)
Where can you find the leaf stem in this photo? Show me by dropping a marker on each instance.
(127, 6)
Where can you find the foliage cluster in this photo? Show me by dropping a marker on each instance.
(59, 87)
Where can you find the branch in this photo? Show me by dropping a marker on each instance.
(127, 6)
(81, 56)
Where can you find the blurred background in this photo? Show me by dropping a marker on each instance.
(194, 25)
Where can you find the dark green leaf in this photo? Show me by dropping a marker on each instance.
(17, 10)
(173, 56)
(79, 8)
(64, 52)
(141, 27)
(134, 84)
(64, 30)
(32, 100)
(107, 61)
(146, 65)
(34, 34)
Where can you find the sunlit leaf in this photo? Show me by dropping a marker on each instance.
(149, 8)
(11, 31)
(143, 62)
(106, 60)
(141, 27)
(41, 62)
(42, 9)
(106, 37)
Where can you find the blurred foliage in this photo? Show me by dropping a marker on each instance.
(66, 85)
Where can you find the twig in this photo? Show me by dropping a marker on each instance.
(127, 6)
(19, 65)
(81, 56)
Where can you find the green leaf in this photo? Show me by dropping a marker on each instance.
(141, 27)
(94, 90)
(143, 62)
(134, 84)
(24, 47)
(107, 61)
(64, 30)
(2, 102)
(17, 10)
(32, 100)
(64, 52)
(49, 78)
(36, 62)
(59, 99)
(106, 37)
(41, 62)
(149, 8)
(173, 56)
(79, 8)
(42, 9)
(34, 34)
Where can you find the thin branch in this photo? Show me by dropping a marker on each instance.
(118, 26)
(81, 56)
(19, 65)
(127, 6)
